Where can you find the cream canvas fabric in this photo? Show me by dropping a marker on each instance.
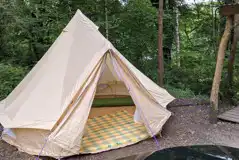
(51, 105)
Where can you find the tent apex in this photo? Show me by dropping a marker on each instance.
(82, 17)
(78, 11)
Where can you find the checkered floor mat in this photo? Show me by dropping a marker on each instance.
(112, 131)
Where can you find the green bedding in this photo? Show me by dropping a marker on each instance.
(110, 102)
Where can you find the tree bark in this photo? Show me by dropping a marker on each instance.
(177, 37)
(70, 7)
(160, 44)
(232, 59)
(213, 28)
(218, 71)
(106, 21)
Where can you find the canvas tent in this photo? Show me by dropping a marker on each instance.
(48, 111)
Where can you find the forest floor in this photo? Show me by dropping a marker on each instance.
(188, 125)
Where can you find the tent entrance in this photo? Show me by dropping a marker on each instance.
(111, 92)
(111, 124)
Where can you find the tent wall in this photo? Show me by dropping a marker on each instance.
(65, 140)
(32, 142)
(56, 78)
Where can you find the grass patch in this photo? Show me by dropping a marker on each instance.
(179, 93)
(187, 93)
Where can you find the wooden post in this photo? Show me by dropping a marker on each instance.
(160, 44)
(218, 71)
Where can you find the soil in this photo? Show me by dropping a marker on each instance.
(189, 125)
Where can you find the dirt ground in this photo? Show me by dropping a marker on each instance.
(189, 125)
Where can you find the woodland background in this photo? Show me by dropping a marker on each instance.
(191, 36)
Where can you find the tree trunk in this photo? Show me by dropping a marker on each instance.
(213, 29)
(160, 44)
(69, 8)
(218, 71)
(106, 21)
(236, 23)
(232, 59)
(177, 37)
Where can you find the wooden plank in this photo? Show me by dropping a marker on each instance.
(233, 111)
(228, 117)
(231, 115)
(229, 10)
(231, 119)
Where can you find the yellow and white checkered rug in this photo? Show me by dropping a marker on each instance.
(112, 131)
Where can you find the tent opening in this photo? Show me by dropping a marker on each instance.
(112, 122)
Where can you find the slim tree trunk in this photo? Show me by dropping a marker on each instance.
(232, 57)
(160, 44)
(231, 60)
(213, 29)
(69, 7)
(177, 37)
(218, 71)
(106, 21)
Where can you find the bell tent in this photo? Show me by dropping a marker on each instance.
(50, 112)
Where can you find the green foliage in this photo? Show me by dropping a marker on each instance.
(136, 35)
(195, 73)
(180, 93)
(200, 33)
(28, 28)
(10, 76)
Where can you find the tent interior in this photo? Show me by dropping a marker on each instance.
(110, 88)
(111, 123)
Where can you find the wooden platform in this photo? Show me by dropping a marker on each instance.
(231, 115)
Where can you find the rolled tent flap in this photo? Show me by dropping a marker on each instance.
(70, 130)
(159, 94)
(153, 114)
